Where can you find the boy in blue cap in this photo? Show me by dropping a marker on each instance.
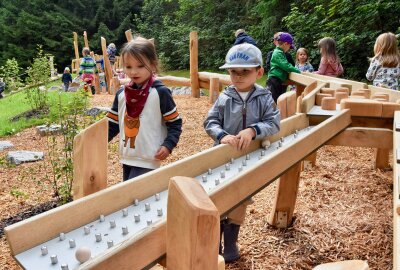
(280, 67)
(243, 112)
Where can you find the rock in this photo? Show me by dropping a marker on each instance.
(97, 110)
(5, 145)
(186, 90)
(44, 130)
(55, 88)
(18, 157)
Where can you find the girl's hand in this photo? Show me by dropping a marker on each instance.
(245, 136)
(231, 140)
(162, 153)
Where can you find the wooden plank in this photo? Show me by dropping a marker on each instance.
(388, 109)
(396, 195)
(362, 107)
(282, 106)
(107, 66)
(364, 137)
(192, 226)
(194, 64)
(291, 102)
(381, 158)
(224, 79)
(174, 81)
(354, 84)
(76, 49)
(96, 81)
(304, 78)
(309, 100)
(128, 35)
(90, 159)
(393, 95)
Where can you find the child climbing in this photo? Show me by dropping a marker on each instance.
(384, 69)
(143, 112)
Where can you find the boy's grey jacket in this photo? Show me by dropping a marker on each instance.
(226, 116)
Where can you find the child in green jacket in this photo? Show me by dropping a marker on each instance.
(280, 67)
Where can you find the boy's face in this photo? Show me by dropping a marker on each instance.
(245, 78)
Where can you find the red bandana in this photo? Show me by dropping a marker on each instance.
(136, 97)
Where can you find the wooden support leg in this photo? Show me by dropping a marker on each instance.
(381, 158)
(214, 89)
(192, 227)
(285, 198)
(309, 161)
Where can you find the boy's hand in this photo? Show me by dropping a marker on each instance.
(245, 136)
(162, 153)
(231, 140)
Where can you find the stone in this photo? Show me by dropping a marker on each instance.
(18, 157)
(44, 130)
(97, 110)
(5, 145)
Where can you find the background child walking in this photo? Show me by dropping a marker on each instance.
(330, 62)
(302, 60)
(66, 79)
(87, 69)
(243, 111)
(384, 69)
(143, 112)
(280, 67)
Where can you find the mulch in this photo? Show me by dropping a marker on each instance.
(343, 209)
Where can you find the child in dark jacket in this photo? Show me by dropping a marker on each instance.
(242, 37)
(66, 79)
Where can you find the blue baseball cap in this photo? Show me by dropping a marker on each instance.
(244, 55)
(286, 37)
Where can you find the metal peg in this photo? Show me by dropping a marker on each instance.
(136, 217)
(204, 178)
(157, 196)
(53, 259)
(147, 206)
(44, 250)
(102, 218)
(136, 202)
(209, 171)
(98, 237)
(86, 229)
(62, 237)
(125, 212)
(222, 174)
(110, 243)
(159, 212)
(72, 243)
(125, 230)
(227, 167)
(112, 224)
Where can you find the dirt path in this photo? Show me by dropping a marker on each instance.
(343, 211)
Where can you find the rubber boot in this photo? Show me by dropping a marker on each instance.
(93, 90)
(231, 251)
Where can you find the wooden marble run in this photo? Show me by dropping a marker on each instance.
(228, 176)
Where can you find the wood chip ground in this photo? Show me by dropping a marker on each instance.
(343, 210)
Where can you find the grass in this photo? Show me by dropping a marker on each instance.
(16, 104)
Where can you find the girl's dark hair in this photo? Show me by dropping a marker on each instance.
(142, 48)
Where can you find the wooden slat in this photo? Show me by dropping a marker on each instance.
(309, 100)
(354, 84)
(90, 159)
(224, 79)
(214, 89)
(128, 35)
(304, 78)
(396, 195)
(76, 47)
(85, 39)
(362, 107)
(192, 228)
(174, 81)
(364, 137)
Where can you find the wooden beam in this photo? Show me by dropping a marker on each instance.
(194, 64)
(90, 159)
(192, 226)
(362, 107)
(393, 95)
(364, 137)
(309, 100)
(354, 85)
(396, 195)
(107, 66)
(76, 49)
(174, 81)
(96, 81)
(214, 89)
(224, 79)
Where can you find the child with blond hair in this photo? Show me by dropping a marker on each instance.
(384, 69)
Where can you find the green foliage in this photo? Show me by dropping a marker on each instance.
(71, 117)
(16, 193)
(10, 73)
(353, 24)
(38, 74)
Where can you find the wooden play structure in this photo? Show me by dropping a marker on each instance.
(205, 187)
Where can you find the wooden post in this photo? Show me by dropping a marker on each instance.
(76, 45)
(107, 66)
(85, 39)
(194, 64)
(214, 89)
(285, 198)
(90, 159)
(128, 34)
(192, 227)
(381, 158)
